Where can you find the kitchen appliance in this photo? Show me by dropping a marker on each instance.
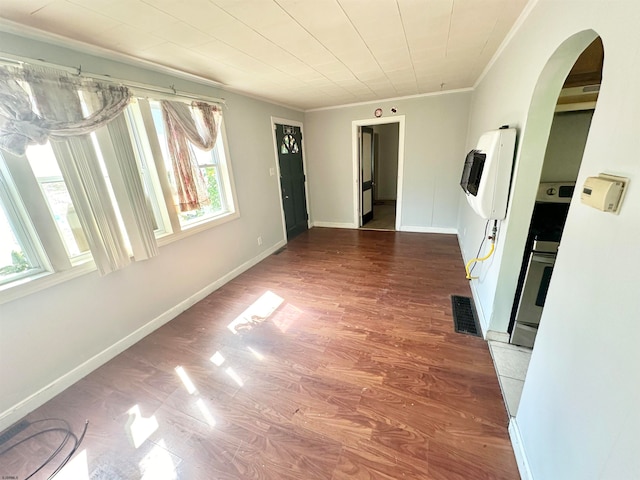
(545, 231)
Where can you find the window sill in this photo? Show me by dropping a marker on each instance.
(198, 227)
(27, 286)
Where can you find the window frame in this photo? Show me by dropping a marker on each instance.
(23, 231)
(55, 264)
(224, 167)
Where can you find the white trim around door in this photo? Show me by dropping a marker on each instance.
(295, 123)
(400, 120)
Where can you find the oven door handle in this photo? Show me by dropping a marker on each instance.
(547, 259)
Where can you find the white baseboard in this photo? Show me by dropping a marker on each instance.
(420, 229)
(519, 451)
(334, 225)
(403, 228)
(22, 408)
(484, 326)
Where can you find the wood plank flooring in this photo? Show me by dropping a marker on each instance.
(334, 359)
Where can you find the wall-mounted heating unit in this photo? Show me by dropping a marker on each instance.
(486, 176)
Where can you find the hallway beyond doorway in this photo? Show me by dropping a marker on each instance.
(384, 216)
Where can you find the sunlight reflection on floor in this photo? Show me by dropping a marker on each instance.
(206, 413)
(188, 384)
(139, 428)
(158, 464)
(256, 354)
(257, 312)
(76, 469)
(217, 359)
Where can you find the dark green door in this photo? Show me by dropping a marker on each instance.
(292, 179)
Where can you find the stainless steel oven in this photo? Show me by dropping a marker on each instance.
(545, 231)
(534, 292)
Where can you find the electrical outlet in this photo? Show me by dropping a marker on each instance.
(260, 240)
(272, 172)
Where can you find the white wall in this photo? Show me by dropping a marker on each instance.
(578, 417)
(45, 337)
(387, 165)
(435, 131)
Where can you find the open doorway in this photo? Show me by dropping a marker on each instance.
(378, 151)
(562, 160)
(565, 143)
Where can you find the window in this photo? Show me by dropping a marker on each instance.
(47, 172)
(213, 166)
(20, 255)
(56, 241)
(147, 130)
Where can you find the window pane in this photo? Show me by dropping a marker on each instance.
(213, 187)
(13, 260)
(45, 167)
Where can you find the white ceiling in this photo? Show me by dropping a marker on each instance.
(302, 53)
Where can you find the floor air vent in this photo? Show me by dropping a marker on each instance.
(465, 319)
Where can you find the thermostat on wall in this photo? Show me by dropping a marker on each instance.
(604, 192)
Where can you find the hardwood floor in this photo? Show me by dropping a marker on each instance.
(334, 359)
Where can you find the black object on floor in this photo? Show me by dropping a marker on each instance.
(465, 319)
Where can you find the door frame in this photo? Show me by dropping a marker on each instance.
(293, 123)
(355, 147)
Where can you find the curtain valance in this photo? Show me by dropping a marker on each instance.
(37, 103)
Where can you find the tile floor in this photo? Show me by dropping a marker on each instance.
(384, 218)
(511, 363)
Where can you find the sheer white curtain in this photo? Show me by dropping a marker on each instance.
(39, 104)
(56, 112)
(139, 223)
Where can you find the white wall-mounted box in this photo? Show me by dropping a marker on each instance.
(486, 177)
(604, 192)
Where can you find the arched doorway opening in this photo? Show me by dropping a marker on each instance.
(563, 157)
(548, 162)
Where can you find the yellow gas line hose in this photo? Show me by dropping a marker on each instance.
(474, 260)
(492, 237)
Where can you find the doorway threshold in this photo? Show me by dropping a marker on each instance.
(511, 363)
(384, 218)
